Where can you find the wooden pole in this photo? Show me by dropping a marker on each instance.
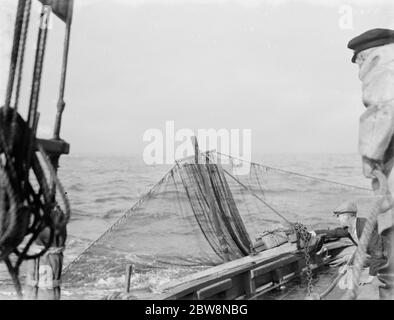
(61, 104)
(196, 150)
(129, 272)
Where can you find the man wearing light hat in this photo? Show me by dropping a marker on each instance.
(374, 54)
(352, 227)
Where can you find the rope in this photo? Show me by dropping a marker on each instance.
(10, 217)
(338, 277)
(15, 217)
(10, 213)
(295, 173)
(259, 198)
(40, 51)
(57, 183)
(361, 252)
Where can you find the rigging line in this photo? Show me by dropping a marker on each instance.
(255, 195)
(21, 53)
(250, 182)
(136, 205)
(371, 223)
(258, 179)
(22, 47)
(32, 119)
(38, 64)
(15, 51)
(295, 173)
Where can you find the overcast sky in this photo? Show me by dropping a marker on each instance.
(280, 68)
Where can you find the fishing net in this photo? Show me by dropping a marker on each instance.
(200, 215)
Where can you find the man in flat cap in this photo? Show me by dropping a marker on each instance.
(352, 228)
(374, 54)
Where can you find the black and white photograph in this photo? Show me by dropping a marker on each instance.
(215, 151)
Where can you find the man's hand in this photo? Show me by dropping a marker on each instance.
(368, 166)
(367, 280)
(313, 233)
(341, 261)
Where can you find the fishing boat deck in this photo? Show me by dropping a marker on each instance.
(249, 277)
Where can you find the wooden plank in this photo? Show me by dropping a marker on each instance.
(273, 265)
(263, 279)
(214, 289)
(129, 271)
(262, 264)
(249, 284)
(283, 272)
(229, 269)
(234, 266)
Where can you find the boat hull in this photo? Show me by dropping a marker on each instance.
(250, 277)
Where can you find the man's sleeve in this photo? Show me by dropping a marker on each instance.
(376, 130)
(334, 233)
(376, 252)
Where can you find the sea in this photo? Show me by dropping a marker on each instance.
(102, 188)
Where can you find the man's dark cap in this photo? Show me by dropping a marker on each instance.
(370, 39)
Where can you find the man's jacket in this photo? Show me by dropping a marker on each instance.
(377, 122)
(375, 247)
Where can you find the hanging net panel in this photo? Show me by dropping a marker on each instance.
(201, 215)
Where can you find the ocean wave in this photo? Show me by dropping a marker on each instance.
(76, 187)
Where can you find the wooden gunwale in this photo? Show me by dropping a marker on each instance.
(248, 277)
